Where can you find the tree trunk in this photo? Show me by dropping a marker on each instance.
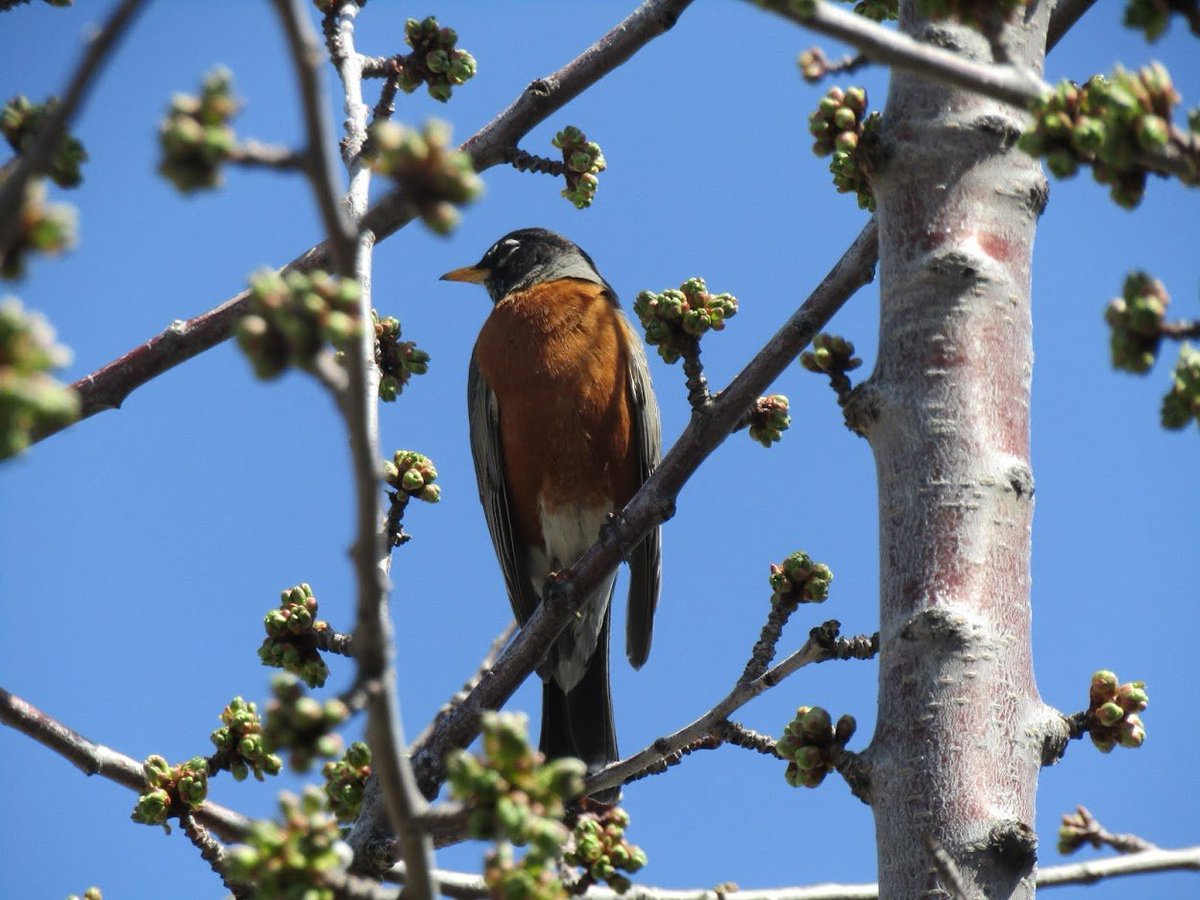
(957, 749)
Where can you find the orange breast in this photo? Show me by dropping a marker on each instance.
(555, 357)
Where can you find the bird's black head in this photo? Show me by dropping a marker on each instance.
(527, 257)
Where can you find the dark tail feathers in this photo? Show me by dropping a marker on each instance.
(580, 723)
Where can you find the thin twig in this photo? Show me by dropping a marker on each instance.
(319, 161)
(34, 160)
(212, 853)
(764, 647)
(821, 646)
(1084, 828)
(253, 154)
(747, 738)
(96, 759)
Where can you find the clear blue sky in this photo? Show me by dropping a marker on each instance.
(139, 550)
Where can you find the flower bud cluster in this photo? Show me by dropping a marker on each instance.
(436, 60)
(195, 137)
(397, 360)
(799, 580)
(295, 857)
(677, 317)
(291, 641)
(599, 847)
(839, 125)
(345, 780)
(512, 792)
(173, 789)
(1108, 123)
(92, 893)
(831, 355)
(1113, 712)
(434, 175)
(811, 744)
(293, 316)
(302, 724)
(1136, 319)
(769, 419)
(20, 121)
(514, 796)
(240, 745)
(412, 475)
(584, 161)
(43, 227)
(1181, 405)
(30, 399)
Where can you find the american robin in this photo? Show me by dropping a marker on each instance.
(564, 430)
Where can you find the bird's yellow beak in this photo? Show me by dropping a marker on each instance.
(473, 274)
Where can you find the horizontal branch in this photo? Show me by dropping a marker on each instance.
(96, 759)
(464, 886)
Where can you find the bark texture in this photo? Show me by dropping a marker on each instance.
(957, 750)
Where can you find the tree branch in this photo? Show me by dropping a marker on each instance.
(33, 161)
(96, 759)
(109, 386)
(1000, 81)
(821, 646)
(463, 886)
(351, 254)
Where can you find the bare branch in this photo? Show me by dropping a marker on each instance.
(96, 759)
(212, 853)
(33, 161)
(1001, 82)
(463, 886)
(820, 647)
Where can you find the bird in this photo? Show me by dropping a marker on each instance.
(564, 429)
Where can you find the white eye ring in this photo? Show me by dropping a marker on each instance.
(502, 250)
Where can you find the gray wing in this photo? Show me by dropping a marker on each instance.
(645, 563)
(484, 417)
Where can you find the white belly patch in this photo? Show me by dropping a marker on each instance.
(568, 531)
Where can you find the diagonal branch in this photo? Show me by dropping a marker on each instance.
(653, 504)
(821, 646)
(96, 759)
(34, 160)
(109, 386)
